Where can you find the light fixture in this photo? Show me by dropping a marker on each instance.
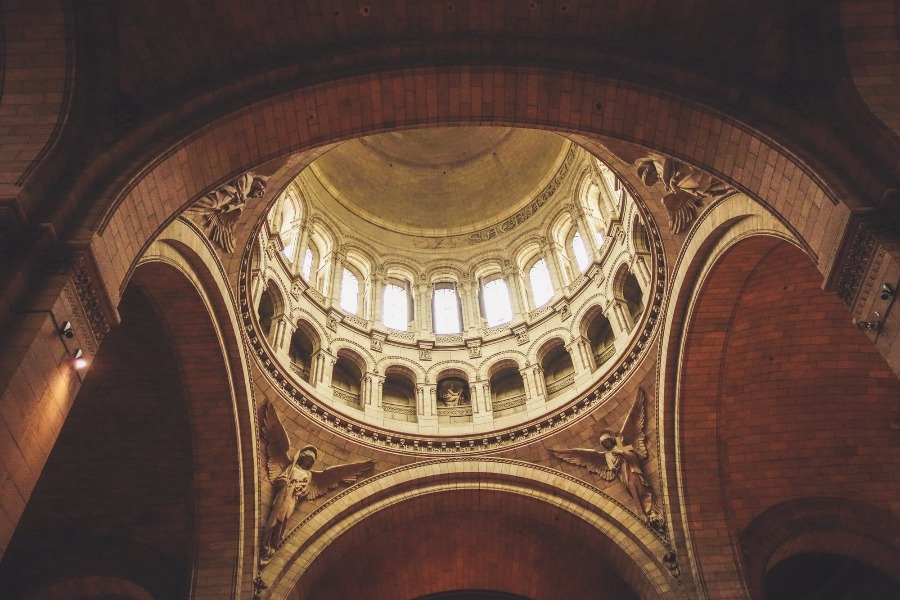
(869, 325)
(887, 291)
(79, 360)
(66, 330)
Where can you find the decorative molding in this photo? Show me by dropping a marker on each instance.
(521, 333)
(489, 233)
(85, 285)
(425, 349)
(474, 346)
(417, 444)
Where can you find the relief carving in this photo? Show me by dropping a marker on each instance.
(294, 479)
(686, 186)
(221, 209)
(620, 458)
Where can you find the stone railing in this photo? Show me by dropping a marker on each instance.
(301, 371)
(399, 409)
(454, 411)
(448, 338)
(560, 384)
(604, 356)
(358, 321)
(511, 402)
(345, 396)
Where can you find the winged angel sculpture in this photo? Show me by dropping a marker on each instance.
(221, 208)
(294, 478)
(620, 457)
(686, 186)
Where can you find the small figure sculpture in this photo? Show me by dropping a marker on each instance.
(621, 457)
(221, 208)
(294, 479)
(452, 395)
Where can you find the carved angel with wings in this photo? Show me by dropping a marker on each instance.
(221, 208)
(620, 458)
(294, 478)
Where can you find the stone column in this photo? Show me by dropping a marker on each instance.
(324, 362)
(469, 306)
(641, 269)
(586, 229)
(336, 272)
(480, 393)
(426, 405)
(281, 340)
(302, 242)
(548, 251)
(576, 352)
(514, 285)
(378, 300)
(620, 319)
(424, 307)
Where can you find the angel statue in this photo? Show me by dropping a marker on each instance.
(294, 478)
(621, 457)
(221, 208)
(686, 186)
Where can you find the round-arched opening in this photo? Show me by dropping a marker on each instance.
(304, 345)
(600, 336)
(399, 395)
(558, 368)
(508, 395)
(823, 576)
(346, 379)
(424, 272)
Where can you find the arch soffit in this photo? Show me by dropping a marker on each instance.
(526, 251)
(445, 365)
(298, 314)
(312, 331)
(547, 341)
(183, 248)
(387, 362)
(854, 529)
(640, 562)
(725, 223)
(113, 225)
(589, 311)
(355, 352)
(620, 270)
(487, 365)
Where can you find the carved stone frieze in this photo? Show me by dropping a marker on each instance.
(861, 271)
(425, 349)
(85, 290)
(521, 333)
(489, 233)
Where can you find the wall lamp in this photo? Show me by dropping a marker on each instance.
(869, 325)
(66, 330)
(887, 292)
(79, 361)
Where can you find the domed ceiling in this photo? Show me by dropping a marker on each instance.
(441, 181)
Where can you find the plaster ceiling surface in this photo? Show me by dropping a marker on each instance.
(441, 181)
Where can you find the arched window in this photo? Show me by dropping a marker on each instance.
(349, 292)
(541, 286)
(306, 269)
(396, 306)
(581, 255)
(495, 298)
(447, 313)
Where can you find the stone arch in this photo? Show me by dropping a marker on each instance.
(535, 350)
(719, 293)
(451, 365)
(832, 525)
(399, 362)
(636, 553)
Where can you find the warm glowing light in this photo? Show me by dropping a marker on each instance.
(80, 361)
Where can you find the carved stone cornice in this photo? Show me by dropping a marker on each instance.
(85, 290)
(858, 274)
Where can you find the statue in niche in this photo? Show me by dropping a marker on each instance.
(294, 479)
(453, 393)
(620, 457)
(221, 208)
(686, 186)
